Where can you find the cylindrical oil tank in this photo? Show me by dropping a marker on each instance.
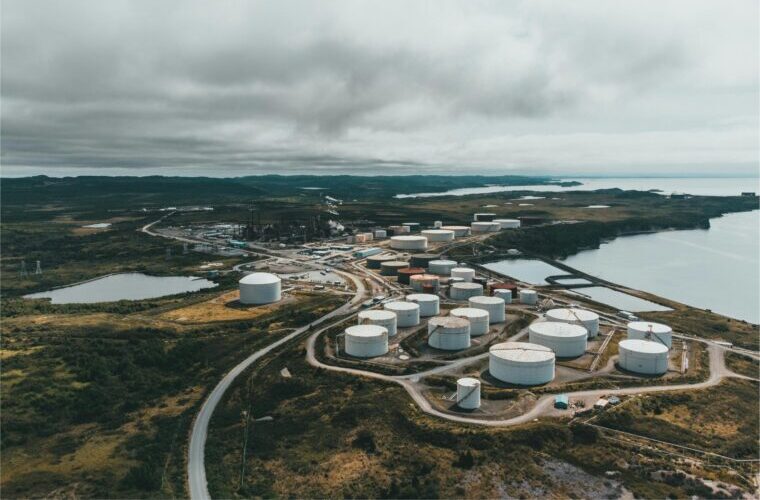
(478, 319)
(380, 233)
(504, 286)
(643, 356)
(565, 339)
(468, 393)
(421, 282)
(503, 294)
(483, 216)
(508, 223)
(438, 235)
(423, 259)
(656, 332)
(409, 242)
(494, 305)
(485, 227)
(396, 230)
(463, 272)
(449, 333)
(528, 297)
(374, 261)
(407, 272)
(521, 363)
(407, 313)
(414, 227)
(430, 305)
(588, 319)
(459, 231)
(441, 267)
(463, 291)
(392, 267)
(366, 341)
(455, 279)
(386, 319)
(437, 224)
(260, 288)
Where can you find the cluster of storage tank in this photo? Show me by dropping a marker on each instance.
(646, 349)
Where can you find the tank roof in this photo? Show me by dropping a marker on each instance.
(377, 314)
(557, 329)
(646, 326)
(643, 346)
(468, 382)
(448, 322)
(422, 297)
(401, 305)
(483, 299)
(573, 314)
(469, 312)
(259, 279)
(524, 352)
(366, 331)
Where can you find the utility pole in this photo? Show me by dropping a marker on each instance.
(244, 414)
(38, 269)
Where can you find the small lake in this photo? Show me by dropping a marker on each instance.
(531, 271)
(618, 300)
(123, 286)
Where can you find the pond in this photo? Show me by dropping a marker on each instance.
(618, 300)
(528, 270)
(123, 286)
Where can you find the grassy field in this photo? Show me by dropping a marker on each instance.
(743, 365)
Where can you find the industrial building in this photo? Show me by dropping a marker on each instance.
(367, 252)
(565, 339)
(463, 291)
(366, 341)
(588, 319)
(521, 363)
(409, 242)
(494, 305)
(449, 333)
(656, 332)
(643, 356)
(429, 304)
(468, 393)
(386, 319)
(260, 288)
(407, 313)
(477, 318)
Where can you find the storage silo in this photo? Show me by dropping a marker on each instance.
(643, 356)
(438, 235)
(366, 341)
(407, 313)
(380, 233)
(656, 332)
(429, 304)
(423, 259)
(374, 261)
(463, 291)
(478, 319)
(494, 305)
(392, 267)
(528, 297)
(463, 272)
(260, 288)
(407, 272)
(485, 227)
(414, 227)
(468, 393)
(424, 282)
(503, 294)
(565, 339)
(588, 319)
(448, 333)
(441, 267)
(409, 242)
(483, 217)
(521, 363)
(386, 319)
(459, 231)
(508, 223)
(437, 224)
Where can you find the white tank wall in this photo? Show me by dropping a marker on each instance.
(468, 393)
(437, 224)
(648, 361)
(508, 223)
(463, 291)
(260, 288)
(408, 313)
(441, 267)
(494, 305)
(528, 297)
(485, 227)
(521, 372)
(566, 340)
(459, 231)
(448, 334)
(386, 319)
(588, 319)
(463, 272)
(505, 295)
(430, 304)
(478, 319)
(409, 242)
(366, 341)
(656, 332)
(381, 233)
(438, 235)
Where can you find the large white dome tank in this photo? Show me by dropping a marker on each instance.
(656, 332)
(468, 393)
(463, 291)
(478, 319)
(386, 319)
(494, 305)
(429, 303)
(643, 356)
(366, 341)
(521, 363)
(260, 288)
(448, 333)
(565, 339)
(588, 319)
(408, 313)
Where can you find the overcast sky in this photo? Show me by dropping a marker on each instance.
(235, 88)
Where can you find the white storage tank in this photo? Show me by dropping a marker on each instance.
(430, 304)
(381, 233)
(463, 291)
(565, 339)
(505, 295)
(478, 319)
(260, 288)
(409, 242)
(468, 393)
(441, 267)
(588, 319)
(414, 227)
(438, 224)
(483, 216)
(448, 333)
(408, 313)
(656, 332)
(521, 363)
(494, 305)
(485, 227)
(508, 223)
(424, 282)
(366, 341)
(459, 231)
(463, 272)
(386, 319)
(643, 356)
(528, 297)
(438, 235)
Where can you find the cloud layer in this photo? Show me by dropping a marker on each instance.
(239, 87)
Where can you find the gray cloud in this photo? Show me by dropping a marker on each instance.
(223, 87)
